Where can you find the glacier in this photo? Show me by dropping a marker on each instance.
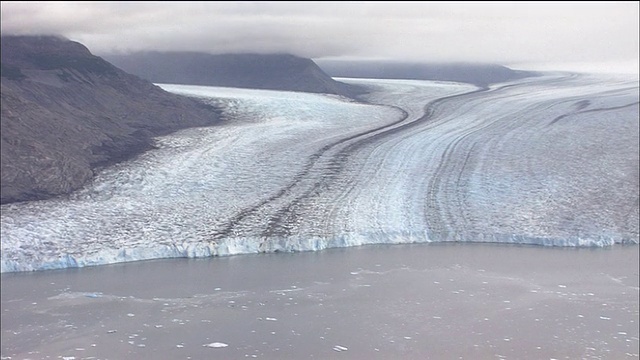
(551, 160)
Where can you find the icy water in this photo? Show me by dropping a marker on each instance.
(422, 301)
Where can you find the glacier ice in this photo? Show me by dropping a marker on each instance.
(548, 161)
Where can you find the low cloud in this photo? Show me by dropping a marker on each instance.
(533, 33)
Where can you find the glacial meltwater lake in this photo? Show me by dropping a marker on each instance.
(420, 301)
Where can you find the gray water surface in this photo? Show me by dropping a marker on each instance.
(428, 301)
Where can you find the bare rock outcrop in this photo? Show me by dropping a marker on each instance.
(66, 112)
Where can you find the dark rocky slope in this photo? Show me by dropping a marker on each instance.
(255, 71)
(477, 74)
(66, 112)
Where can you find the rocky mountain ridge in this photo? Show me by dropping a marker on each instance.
(66, 112)
(473, 73)
(254, 71)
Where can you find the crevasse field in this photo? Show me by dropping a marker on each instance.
(552, 160)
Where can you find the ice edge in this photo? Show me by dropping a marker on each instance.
(255, 245)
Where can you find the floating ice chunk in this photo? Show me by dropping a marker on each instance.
(131, 315)
(271, 319)
(605, 318)
(216, 345)
(339, 348)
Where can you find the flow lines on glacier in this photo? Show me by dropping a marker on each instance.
(307, 202)
(263, 212)
(285, 219)
(580, 111)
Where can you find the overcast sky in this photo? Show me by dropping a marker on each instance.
(532, 34)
